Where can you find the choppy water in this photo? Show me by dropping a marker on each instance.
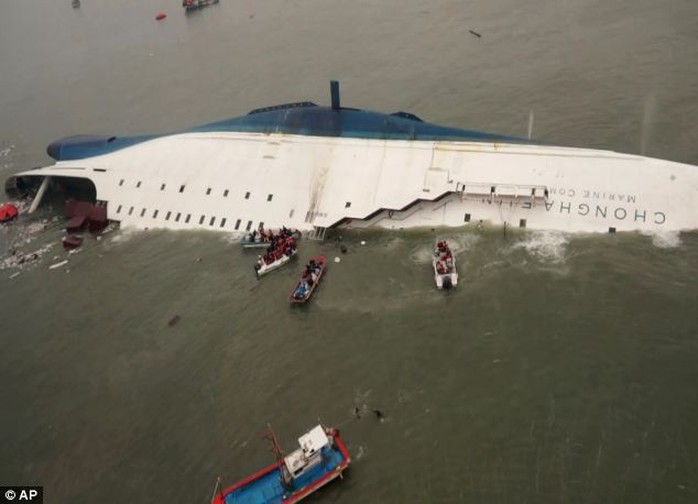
(562, 368)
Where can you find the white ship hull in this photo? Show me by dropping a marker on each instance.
(309, 167)
(304, 181)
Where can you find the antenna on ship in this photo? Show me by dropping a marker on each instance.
(334, 92)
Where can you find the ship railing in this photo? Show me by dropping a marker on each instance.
(502, 192)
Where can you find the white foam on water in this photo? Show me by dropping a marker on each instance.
(665, 239)
(548, 246)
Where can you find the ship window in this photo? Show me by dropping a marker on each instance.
(138, 184)
(223, 222)
(201, 220)
(212, 221)
(270, 197)
(130, 211)
(247, 195)
(167, 217)
(522, 223)
(162, 187)
(121, 182)
(466, 218)
(142, 212)
(186, 221)
(347, 204)
(225, 193)
(237, 224)
(611, 230)
(178, 216)
(208, 191)
(118, 210)
(261, 225)
(155, 214)
(249, 225)
(290, 214)
(181, 188)
(492, 190)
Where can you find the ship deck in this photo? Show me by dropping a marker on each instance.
(268, 489)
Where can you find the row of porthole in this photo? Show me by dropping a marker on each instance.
(208, 190)
(187, 219)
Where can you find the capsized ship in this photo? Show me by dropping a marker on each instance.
(313, 167)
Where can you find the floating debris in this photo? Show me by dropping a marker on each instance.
(475, 33)
(337, 259)
(363, 242)
(379, 414)
(15, 275)
(58, 264)
(174, 320)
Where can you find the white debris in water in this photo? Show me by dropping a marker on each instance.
(363, 242)
(21, 260)
(337, 259)
(58, 264)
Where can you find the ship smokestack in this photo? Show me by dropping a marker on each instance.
(334, 90)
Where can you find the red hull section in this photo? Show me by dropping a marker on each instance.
(85, 214)
(72, 242)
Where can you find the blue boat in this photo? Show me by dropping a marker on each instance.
(320, 458)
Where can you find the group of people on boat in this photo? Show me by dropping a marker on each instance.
(444, 262)
(263, 236)
(280, 245)
(310, 277)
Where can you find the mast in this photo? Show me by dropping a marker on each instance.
(278, 455)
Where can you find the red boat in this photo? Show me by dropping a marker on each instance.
(312, 273)
(8, 212)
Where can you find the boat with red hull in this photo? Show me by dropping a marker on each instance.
(320, 459)
(310, 278)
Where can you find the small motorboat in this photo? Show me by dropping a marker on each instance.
(281, 254)
(72, 242)
(8, 212)
(261, 238)
(197, 4)
(444, 263)
(320, 458)
(312, 273)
